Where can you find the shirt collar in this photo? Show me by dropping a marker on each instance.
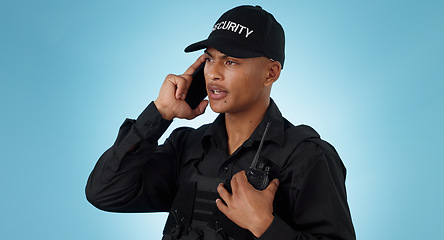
(216, 134)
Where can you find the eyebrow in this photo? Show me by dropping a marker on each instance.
(223, 55)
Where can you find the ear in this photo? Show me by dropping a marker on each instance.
(274, 71)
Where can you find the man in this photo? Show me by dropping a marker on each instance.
(202, 177)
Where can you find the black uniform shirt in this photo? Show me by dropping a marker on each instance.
(310, 203)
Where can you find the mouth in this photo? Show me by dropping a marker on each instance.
(216, 93)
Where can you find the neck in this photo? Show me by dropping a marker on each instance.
(240, 126)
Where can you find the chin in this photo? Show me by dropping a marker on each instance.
(216, 109)
(218, 106)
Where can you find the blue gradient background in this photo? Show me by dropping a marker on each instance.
(368, 75)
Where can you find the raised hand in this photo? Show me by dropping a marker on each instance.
(171, 100)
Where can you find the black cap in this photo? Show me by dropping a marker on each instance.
(245, 32)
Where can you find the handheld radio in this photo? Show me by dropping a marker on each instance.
(258, 175)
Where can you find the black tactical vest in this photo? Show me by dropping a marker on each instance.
(194, 214)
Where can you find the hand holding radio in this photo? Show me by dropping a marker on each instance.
(171, 100)
(246, 206)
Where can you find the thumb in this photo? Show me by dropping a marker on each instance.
(198, 111)
(202, 106)
(273, 186)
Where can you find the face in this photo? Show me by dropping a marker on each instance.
(236, 85)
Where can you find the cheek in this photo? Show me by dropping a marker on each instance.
(250, 82)
(240, 84)
(245, 82)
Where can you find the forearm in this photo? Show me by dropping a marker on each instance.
(117, 179)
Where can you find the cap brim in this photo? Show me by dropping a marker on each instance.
(225, 46)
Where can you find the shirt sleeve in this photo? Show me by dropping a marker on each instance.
(314, 180)
(139, 181)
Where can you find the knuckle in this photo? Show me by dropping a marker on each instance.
(232, 181)
(170, 76)
(187, 77)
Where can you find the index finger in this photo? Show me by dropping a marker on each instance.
(236, 182)
(195, 65)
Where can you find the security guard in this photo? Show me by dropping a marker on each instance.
(251, 173)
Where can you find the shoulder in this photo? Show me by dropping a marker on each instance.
(186, 142)
(189, 133)
(307, 137)
(311, 148)
(185, 138)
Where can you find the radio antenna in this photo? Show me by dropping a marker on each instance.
(256, 157)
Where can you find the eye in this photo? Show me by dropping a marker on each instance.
(231, 63)
(208, 59)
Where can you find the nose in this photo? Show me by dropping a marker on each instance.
(213, 71)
